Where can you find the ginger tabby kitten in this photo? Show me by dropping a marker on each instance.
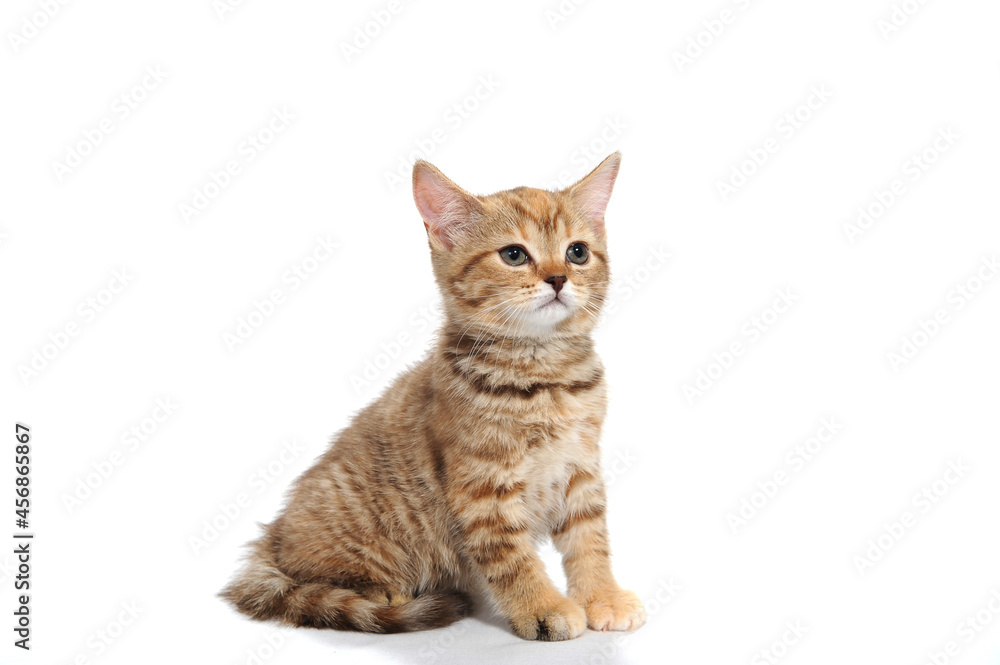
(443, 485)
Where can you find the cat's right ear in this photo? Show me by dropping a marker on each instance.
(447, 209)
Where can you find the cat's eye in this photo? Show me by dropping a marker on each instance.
(578, 253)
(514, 255)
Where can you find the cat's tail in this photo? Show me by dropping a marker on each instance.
(262, 591)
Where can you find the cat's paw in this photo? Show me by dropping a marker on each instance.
(563, 619)
(616, 609)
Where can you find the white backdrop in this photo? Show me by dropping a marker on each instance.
(210, 259)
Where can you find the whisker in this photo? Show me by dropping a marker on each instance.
(476, 318)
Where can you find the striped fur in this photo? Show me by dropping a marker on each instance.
(444, 485)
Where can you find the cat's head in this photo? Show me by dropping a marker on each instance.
(523, 262)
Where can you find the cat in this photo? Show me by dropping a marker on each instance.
(442, 487)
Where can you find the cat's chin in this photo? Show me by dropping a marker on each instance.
(543, 321)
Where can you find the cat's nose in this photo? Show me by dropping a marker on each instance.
(557, 282)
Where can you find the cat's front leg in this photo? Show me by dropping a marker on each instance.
(582, 538)
(494, 522)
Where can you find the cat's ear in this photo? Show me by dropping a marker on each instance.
(447, 209)
(591, 194)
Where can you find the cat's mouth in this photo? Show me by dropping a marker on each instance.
(550, 309)
(554, 303)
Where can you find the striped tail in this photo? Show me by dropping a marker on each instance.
(261, 591)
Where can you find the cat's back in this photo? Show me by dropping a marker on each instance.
(375, 484)
(385, 432)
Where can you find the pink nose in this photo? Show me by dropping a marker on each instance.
(557, 282)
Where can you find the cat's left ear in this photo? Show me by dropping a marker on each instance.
(591, 194)
(448, 210)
